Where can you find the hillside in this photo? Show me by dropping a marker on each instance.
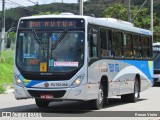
(90, 7)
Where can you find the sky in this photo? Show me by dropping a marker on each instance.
(12, 3)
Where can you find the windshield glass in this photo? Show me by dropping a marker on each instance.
(50, 51)
(156, 61)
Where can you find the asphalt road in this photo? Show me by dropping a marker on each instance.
(148, 104)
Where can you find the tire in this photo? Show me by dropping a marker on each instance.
(98, 103)
(41, 103)
(133, 97)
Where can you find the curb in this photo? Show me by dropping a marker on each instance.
(9, 91)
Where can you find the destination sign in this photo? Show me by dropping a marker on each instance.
(156, 48)
(52, 23)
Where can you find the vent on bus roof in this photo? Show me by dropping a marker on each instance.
(120, 21)
(66, 13)
(117, 21)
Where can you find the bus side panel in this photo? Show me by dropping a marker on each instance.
(147, 68)
(93, 80)
(142, 68)
(110, 68)
(127, 82)
(121, 75)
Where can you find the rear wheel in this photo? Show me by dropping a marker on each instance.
(133, 97)
(42, 103)
(98, 103)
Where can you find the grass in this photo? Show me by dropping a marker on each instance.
(6, 67)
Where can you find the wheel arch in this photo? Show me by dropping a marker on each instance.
(137, 77)
(104, 82)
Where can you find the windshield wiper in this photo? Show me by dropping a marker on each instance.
(60, 38)
(35, 33)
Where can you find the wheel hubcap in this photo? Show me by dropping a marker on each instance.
(136, 90)
(100, 96)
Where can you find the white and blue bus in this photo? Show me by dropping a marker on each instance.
(156, 55)
(72, 57)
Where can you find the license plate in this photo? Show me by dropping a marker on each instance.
(43, 96)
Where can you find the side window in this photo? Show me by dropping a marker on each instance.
(117, 44)
(137, 46)
(93, 43)
(128, 52)
(105, 42)
(146, 48)
(94, 46)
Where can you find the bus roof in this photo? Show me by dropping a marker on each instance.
(104, 22)
(156, 44)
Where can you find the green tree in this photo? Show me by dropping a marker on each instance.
(142, 19)
(117, 11)
(12, 36)
(120, 11)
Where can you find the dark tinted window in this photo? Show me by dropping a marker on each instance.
(128, 52)
(117, 44)
(106, 37)
(146, 47)
(137, 46)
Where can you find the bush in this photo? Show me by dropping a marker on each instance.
(6, 67)
(2, 60)
(2, 90)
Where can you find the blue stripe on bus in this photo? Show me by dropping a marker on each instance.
(145, 66)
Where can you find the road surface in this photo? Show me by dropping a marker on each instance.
(148, 104)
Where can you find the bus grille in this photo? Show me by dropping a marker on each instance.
(155, 79)
(56, 94)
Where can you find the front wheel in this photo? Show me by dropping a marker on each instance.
(98, 103)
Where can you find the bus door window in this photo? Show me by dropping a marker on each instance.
(117, 44)
(105, 42)
(127, 42)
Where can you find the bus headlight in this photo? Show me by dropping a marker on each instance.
(18, 81)
(77, 81)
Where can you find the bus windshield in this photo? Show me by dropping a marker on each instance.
(156, 55)
(50, 50)
(157, 62)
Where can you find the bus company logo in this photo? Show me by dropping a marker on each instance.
(46, 84)
(6, 114)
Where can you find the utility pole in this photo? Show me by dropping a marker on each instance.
(152, 18)
(129, 10)
(81, 7)
(3, 27)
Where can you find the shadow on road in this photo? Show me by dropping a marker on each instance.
(64, 107)
(117, 102)
(157, 84)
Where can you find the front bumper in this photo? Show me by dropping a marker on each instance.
(83, 92)
(156, 78)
